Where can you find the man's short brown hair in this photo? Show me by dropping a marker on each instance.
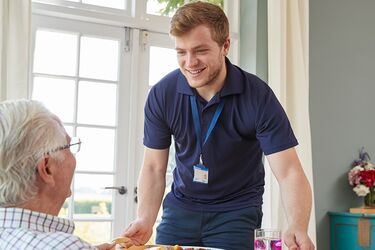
(198, 13)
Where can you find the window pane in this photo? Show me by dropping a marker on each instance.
(97, 103)
(93, 232)
(117, 4)
(97, 149)
(90, 198)
(163, 8)
(55, 53)
(168, 8)
(63, 213)
(99, 58)
(57, 94)
(157, 69)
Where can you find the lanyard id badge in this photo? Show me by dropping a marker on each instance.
(200, 174)
(200, 170)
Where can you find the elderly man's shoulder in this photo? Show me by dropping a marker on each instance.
(32, 240)
(67, 241)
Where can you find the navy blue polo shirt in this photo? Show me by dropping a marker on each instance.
(252, 123)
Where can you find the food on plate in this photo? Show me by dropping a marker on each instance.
(142, 247)
(175, 247)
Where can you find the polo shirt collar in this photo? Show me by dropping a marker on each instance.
(233, 82)
(183, 86)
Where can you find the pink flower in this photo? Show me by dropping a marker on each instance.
(353, 175)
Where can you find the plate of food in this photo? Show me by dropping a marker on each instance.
(125, 240)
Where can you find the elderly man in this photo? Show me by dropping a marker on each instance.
(36, 169)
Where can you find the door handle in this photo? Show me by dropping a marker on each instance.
(136, 194)
(121, 189)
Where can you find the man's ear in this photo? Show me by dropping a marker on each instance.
(226, 46)
(44, 170)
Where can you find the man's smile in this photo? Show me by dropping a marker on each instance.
(195, 72)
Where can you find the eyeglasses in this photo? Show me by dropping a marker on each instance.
(74, 146)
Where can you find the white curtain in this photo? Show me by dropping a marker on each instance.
(15, 31)
(288, 62)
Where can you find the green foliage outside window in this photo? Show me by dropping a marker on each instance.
(173, 5)
(92, 206)
(88, 207)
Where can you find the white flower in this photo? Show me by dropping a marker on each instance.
(369, 166)
(358, 167)
(361, 190)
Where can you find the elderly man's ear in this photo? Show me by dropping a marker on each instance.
(46, 170)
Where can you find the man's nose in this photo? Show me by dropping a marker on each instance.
(191, 60)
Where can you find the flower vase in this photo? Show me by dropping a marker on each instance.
(370, 198)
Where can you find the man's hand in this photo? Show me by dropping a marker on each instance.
(297, 240)
(105, 246)
(139, 232)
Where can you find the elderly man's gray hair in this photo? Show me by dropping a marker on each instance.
(27, 132)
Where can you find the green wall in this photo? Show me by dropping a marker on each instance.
(342, 88)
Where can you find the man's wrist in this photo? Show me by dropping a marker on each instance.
(148, 221)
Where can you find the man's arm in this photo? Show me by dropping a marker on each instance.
(151, 187)
(151, 184)
(296, 196)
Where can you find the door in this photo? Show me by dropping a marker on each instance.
(81, 72)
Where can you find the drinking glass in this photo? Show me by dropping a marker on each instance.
(267, 239)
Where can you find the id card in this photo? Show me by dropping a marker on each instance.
(200, 174)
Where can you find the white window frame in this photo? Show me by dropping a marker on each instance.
(135, 16)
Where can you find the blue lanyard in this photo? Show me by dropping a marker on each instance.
(197, 125)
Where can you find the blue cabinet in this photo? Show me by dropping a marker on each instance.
(352, 231)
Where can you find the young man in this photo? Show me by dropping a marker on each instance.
(223, 120)
(36, 169)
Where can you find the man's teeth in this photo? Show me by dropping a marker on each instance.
(195, 71)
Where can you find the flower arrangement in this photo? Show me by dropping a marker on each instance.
(362, 175)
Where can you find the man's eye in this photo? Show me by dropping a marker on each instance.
(180, 53)
(201, 51)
